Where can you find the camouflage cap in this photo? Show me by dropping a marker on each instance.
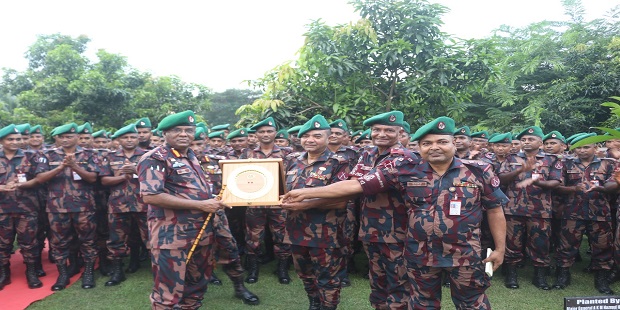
(269, 121)
(364, 136)
(131, 128)
(480, 134)
(185, 118)
(24, 129)
(501, 138)
(66, 128)
(100, 134)
(318, 122)
(85, 128)
(282, 134)
(8, 130)
(217, 135)
(531, 131)
(36, 129)
(339, 123)
(582, 136)
(239, 133)
(200, 134)
(554, 135)
(442, 125)
(392, 118)
(294, 129)
(144, 122)
(463, 131)
(220, 127)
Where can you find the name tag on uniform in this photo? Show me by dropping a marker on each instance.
(535, 176)
(21, 178)
(572, 171)
(515, 164)
(116, 163)
(292, 172)
(183, 171)
(417, 184)
(366, 168)
(135, 176)
(55, 163)
(455, 207)
(76, 176)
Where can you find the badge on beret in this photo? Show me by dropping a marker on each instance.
(462, 130)
(553, 135)
(242, 132)
(86, 130)
(531, 130)
(16, 130)
(202, 135)
(483, 135)
(142, 123)
(441, 125)
(495, 181)
(190, 119)
(392, 118)
(339, 125)
(270, 123)
(316, 125)
(72, 129)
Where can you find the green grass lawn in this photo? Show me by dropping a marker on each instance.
(133, 293)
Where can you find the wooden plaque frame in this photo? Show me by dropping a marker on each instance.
(252, 182)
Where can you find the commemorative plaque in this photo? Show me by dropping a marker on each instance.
(252, 182)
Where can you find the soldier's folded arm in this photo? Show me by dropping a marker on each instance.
(611, 187)
(547, 184)
(336, 190)
(90, 177)
(318, 203)
(29, 184)
(507, 177)
(46, 176)
(165, 200)
(113, 180)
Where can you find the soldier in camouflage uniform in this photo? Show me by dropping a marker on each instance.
(238, 140)
(236, 216)
(364, 140)
(446, 196)
(178, 197)
(282, 138)
(36, 145)
(218, 143)
(70, 172)
(124, 203)
(529, 178)
(257, 217)
(100, 140)
(18, 206)
(586, 211)
(316, 230)
(294, 138)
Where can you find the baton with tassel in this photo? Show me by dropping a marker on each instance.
(204, 226)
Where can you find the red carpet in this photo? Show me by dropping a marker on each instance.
(17, 295)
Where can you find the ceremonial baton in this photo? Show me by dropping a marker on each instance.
(204, 226)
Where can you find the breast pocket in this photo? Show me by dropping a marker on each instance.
(573, 178)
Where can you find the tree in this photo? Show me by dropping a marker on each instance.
(225, 104)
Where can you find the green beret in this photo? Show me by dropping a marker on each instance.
(318, 122)
(463, 131)
(239, 133)
(569, 139)
(407, 127)
(392, 118)
(67, 128)
(8, 130)
(100, 134)
(217, 134)
(36, 129)
(144, 122)
(131, 128)
(220, 127)
(282, 134)
(339, 123)
(185, 118)
(157, 132)
(85, 128)
(480, 134)
(554, 135)
(203, 126)
(294, 129)
(582, 136)
(442, 125)
(514, 136)
(493, 135)
(501, 138)
(200, 134)
(531, 131)
(24, 129)
(269, 121)
(364, 136)
(356, 133)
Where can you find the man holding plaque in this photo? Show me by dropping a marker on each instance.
(179, 200)
(315, 229)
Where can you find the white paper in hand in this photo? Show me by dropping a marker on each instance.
(488, 267)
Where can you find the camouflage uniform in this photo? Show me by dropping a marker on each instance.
(257, 217)
(588, 213)
(71, 203)
(383, 228)
(528, 212)
(125, 204)
(436, 240)
(317, 236)
(19, 208)
(172, 232)
(236, 216)
(351, 225)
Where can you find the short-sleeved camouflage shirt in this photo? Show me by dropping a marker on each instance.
(67, 192)
(315, 227)
(591, 206)
(437, 236)
(164, 171)
(125, 196)
(19, 168)
(531, 201)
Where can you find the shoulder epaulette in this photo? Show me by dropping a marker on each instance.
(476, 163)
(159, 153)
(489, 155)
(397, 151)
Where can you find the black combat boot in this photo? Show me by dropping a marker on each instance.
(134, 259)
(345, 281)
(282, 271)
(31, 276)
(144, 253)
(38, 267)
(252, 265)
(602, 283)
(540, 278)
(88, 276)
(613, 276)
(351, 268)
(63, 277)
(243, 293)
(105, 266)
(315, 303)
(74, 267)
(5, 276)
(215, 280)
(117, 275)
(510, 281)
(562, 278)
